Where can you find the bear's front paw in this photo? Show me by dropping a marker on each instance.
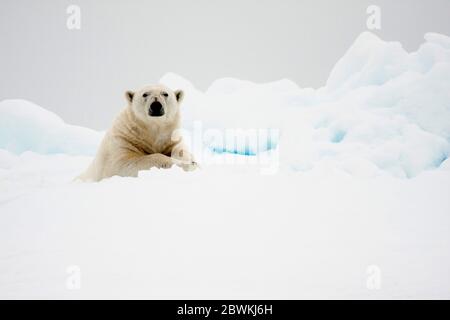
(164, 164)
(189, 166)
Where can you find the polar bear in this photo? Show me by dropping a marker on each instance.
(144, 135)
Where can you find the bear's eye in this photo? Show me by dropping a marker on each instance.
(165, 94)
(145, 95)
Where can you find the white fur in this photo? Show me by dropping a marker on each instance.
(138, 141)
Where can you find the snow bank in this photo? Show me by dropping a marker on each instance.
(382, 110)
(24, 126)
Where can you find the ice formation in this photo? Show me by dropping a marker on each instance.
(25, 126)
(382, 109)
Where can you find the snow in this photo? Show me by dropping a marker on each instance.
(383, 107)
(24, 126)
(224, 236)
(302, 192)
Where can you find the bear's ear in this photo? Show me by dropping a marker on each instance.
(179, 94)
(129, 95)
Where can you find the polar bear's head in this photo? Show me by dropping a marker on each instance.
(155, 103)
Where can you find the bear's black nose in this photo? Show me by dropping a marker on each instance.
(156, 109)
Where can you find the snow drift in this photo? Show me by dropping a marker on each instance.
(381, 109)
(24, 126)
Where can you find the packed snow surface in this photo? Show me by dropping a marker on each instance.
(336, 192)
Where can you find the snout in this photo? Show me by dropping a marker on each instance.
(156, 109)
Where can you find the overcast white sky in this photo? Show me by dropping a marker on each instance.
(82, 74)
